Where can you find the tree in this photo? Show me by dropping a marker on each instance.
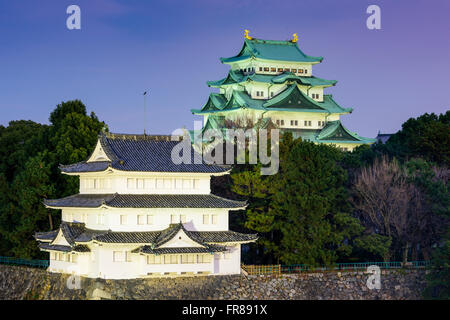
(400, 203)
(427, 137)
(258, 189)
(27, 214)
(310, 207)
(30, 155)
(73, 137)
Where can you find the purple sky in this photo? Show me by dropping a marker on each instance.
(173, 48)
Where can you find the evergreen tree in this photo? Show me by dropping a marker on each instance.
(310, 207)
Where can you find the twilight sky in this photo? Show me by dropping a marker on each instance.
(173, 47)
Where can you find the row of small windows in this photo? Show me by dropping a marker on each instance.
(137, 183)
(180, 258)
(98, 183)
(60, 256)
(261, 94)
(274, 69)
(306, 123)
(272, 94)
(144, 219)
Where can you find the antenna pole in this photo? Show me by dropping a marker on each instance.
(145, 116)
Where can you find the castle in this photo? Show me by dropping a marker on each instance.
(273, 80)
(138, 214)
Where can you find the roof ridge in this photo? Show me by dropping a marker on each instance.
(136, 137)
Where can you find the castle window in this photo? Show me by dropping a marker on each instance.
(187, 183)
(206, 219)
(170, 259)
(173, 218)
(203, 258)
(153, 259)
(280, 69)
(306, 70)
(131, 183)
(100, 219)
(188, 258)
(118, 256)
(123, 219)
(214, 219)
(127, 256)
(273, 69)
(287, 69)
(149, 183)
(278, 122)
(140, 183)
(266, 69)
(294, 70)
(260, 68)
(167, 183)
(183, 218)
(282, 122)
(141, 219)
(149, 219)
(300, 70)
(159, 183)
(271, 94)
(296, 122)
(257, 93)
(196, 183)
(292, 122)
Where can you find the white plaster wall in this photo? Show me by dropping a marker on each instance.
(230, 264)
(161, 218)
(99, 263)
(144, 183)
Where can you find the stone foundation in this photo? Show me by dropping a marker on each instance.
(27, 283)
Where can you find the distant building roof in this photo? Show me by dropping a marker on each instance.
(140, 153)
(383, 137)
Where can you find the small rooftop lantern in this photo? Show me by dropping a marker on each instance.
(246, 36)
(295, 39)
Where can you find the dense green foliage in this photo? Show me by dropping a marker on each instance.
(304, 214)
(30, 154)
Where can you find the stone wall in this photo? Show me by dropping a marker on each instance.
(28, 283)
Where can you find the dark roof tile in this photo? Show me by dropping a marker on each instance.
(141, 153)
(145, 201)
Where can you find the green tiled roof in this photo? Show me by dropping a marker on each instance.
(236, 76)
(335, 131)
(271, 50)
(291, 99)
